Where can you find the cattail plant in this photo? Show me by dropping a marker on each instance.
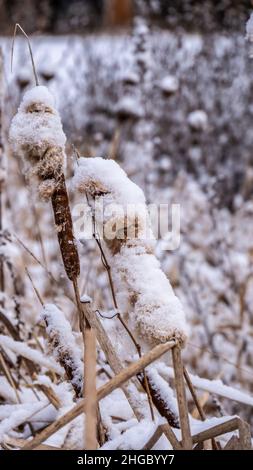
(36, 134)
(151, 312)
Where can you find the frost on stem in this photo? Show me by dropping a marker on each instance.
(36, 134)
(62, 341)
(144, 293)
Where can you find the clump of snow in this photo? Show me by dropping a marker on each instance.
(134, 438)
(99, 176)
(85, 299)
(130, 77)
(127, 107)
(19, 416)
(157, 314)
(198, 120)
(169, 84)
(37, 122)
(65, 348)
(35, 129)
(34, 355)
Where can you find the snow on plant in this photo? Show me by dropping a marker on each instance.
(65, 350)
(36, 134)
(144, 293)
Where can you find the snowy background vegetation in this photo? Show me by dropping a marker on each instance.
(171, 101)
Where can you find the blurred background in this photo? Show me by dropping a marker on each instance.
(166, 89)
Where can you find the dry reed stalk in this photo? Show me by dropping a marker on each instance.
(51, 395)
(102, 392)
(197, 403)
(181, 398)
(7, 372)
(10, 443)
(90, 392)
(1, 161)
(223, 428)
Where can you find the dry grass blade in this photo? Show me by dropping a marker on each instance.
(102, 392)
(90, 392)
(17, 26)
(7, 373)
(181, 398)
(10, 443)
(9, 326)
(197, 402)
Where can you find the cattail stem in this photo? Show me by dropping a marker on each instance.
(64, 227)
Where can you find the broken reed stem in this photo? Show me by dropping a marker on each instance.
(102, 392)
(181, 398)
(90, 392)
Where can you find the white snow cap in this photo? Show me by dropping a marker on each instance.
(37, 122)
(169, 84)
(111, 177)
(198, 120)
(38, 94)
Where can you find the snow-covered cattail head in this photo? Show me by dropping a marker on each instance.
(37, 136)
(144, 294)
